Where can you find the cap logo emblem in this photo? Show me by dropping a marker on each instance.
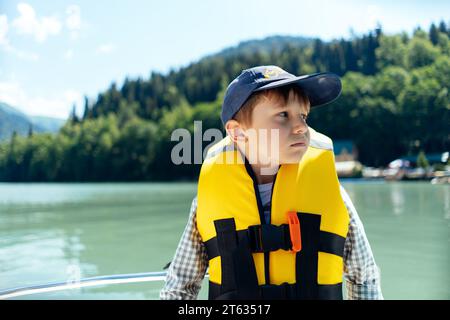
(272, 72)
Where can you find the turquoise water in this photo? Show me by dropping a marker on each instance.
(53, 232)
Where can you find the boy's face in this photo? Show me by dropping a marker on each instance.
(278, 133)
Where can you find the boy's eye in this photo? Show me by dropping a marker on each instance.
(284, 114)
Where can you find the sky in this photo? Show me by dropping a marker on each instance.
(53, 53)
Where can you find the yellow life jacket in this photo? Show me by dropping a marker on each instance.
(249, 259)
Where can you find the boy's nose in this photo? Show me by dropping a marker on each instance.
(300, 126)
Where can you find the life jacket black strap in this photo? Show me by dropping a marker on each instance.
(330, 291)
(237, 265)
(226, 239)
(331, 243)
(212, 246)
(239, 278)
(284, 291)
(245, 270)
(266, 238)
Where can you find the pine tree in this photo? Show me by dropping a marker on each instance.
(351, 60)
(369, 46)
(317, 55)
(434, 34)
(443, 28)
(13, 139)
(378, 31)
(73, 115)
(86, 113)
(30, 130)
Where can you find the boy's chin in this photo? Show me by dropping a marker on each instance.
(293, 158)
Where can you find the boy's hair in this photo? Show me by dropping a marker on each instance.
(279, 95)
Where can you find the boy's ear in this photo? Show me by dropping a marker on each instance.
(235, 131)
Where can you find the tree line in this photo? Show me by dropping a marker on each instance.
(395, 102)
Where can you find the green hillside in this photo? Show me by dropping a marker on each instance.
(12, 120)
(395, 101)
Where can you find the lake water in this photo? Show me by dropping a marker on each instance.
(53, 232)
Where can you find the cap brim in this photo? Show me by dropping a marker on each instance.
(321, 88)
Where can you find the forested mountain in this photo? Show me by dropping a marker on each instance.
(12, 120)
(395, 101)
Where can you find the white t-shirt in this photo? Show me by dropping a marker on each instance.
(265, 192)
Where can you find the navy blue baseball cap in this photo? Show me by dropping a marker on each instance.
(321, 88)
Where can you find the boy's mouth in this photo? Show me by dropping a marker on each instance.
(299, 144)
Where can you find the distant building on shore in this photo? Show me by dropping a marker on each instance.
(345, 150)
(346, 157)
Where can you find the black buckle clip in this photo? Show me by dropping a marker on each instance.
(277, 237)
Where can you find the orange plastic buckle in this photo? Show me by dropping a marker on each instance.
(294, 230)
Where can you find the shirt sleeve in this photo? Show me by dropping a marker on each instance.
(361, 274)
(189, 264)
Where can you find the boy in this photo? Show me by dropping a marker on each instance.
(273, 223)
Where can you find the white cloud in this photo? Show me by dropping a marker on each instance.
(105, 48)
(3, 29)
(40, 28)
(68, 55)
(24, 55)
(11, 93)
(6, 45)
(73, 20)
(58, 105)
(29, 24)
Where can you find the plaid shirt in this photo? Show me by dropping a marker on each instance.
(189, 265)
